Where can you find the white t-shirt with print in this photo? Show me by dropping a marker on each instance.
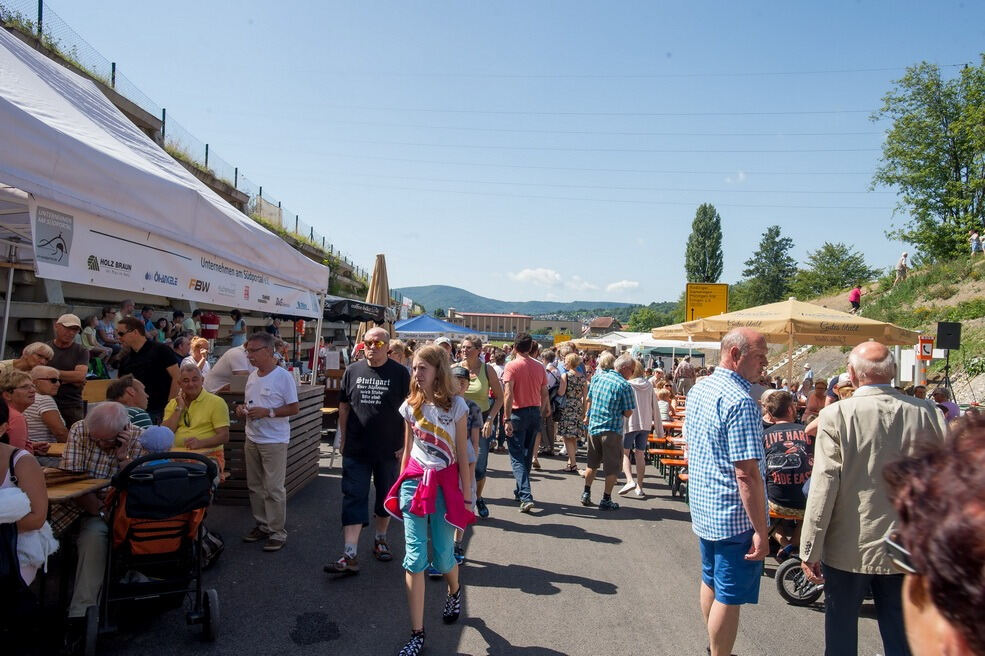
(274, 390)
(434, 435)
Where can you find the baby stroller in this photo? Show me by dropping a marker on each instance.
(157, 508)
(791, 582)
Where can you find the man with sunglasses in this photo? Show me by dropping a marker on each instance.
(372, 435)
(152, 363)
(848, 510)
(199, 419)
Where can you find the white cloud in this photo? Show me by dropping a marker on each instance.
(579, 284)
(622, 285)
(738, 178)
(542, 277)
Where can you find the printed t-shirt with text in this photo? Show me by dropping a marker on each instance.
(789, 461)
(434, 432)
(374, 427)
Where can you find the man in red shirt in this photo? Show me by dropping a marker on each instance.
(526, 399)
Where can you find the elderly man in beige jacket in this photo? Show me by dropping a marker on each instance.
(848, 511)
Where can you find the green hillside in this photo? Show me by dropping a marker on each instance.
(445, 296)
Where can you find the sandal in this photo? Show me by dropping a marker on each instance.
(570, 469)
(381, 551)
(535, 464)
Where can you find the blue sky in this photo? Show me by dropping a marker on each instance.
(547, 150)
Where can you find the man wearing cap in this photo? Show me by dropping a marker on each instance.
(72, 362)
(444, 343)
(808, 377)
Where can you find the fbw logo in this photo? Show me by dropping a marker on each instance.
(93, 263)
(198, 285)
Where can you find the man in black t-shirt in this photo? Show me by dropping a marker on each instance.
(72, 362)
(372, 433)
(152, 363)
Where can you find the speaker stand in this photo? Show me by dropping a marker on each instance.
(947, 376)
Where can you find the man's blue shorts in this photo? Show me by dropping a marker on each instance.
(725, 570)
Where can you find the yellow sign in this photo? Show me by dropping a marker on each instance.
(561, 337)
(705, 299)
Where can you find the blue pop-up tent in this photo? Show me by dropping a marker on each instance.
(425, 326)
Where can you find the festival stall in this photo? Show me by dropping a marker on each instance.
(427, 327)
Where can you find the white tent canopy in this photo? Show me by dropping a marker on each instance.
(105, 205)
(646, 340)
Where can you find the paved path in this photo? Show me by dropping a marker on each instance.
(562, 580)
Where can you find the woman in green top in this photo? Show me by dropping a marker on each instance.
(483, 383)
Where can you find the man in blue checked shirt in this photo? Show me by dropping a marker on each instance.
(724, 432)
(610, 401)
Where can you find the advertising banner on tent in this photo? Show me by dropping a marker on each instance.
(74, 246)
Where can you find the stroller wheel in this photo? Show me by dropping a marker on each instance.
(793, 586)
(91, 630)
(210, 611)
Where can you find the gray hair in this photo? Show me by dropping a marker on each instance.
(736, 338)
(883, 369)
(41, 371)
(107, 418)
(623, 361)
(189, 367)
(606, 360)
(265, 338)
(39, 348)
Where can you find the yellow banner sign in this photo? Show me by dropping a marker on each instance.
(705, 300)
(560, 337)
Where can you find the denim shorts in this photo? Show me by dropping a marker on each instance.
(635, 440)
(356, 474)
(725, 570)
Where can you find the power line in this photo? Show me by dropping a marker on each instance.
(579, 168)
(650, 114)
(603, 187)
(609, 200)
(610, 150)
(613, 133)
(623, 76)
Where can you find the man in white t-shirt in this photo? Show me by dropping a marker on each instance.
(271, 398)
(232, 363)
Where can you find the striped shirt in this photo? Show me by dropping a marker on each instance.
(723, 425)
(610, 395)
(37, 431)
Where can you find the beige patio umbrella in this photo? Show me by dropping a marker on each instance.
(378, 294)
(792, 321)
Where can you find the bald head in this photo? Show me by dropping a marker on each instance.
(744, 352)
(871, 363)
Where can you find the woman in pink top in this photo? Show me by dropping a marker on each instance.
(855, 298)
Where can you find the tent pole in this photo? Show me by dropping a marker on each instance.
(790, 360)
(318, 329)
(12, 251)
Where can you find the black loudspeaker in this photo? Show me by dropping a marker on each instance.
(948, 335)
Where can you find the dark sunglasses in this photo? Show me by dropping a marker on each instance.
(898, 554)
(53, 381)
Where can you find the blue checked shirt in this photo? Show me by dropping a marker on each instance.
(723, 425)
(610, 396)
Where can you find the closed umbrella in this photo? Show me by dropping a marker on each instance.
(378, 294)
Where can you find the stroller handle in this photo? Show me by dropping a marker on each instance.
(211, 468)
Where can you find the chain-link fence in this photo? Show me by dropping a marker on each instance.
(35, 19)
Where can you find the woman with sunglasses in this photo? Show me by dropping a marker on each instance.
(44, 421)
(17, 392)
(939, 543)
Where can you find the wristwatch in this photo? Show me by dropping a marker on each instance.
(271, 413)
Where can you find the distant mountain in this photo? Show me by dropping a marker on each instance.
(444, 297)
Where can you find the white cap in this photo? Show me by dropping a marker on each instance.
(442, 340)
(807, 366)
(843, 379)
(70, 321)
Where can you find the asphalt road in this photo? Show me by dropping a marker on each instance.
(562, 580)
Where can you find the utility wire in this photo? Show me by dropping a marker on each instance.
(809, 112)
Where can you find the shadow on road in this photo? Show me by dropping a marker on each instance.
(562, 531)
(529, 580)
(500, 646)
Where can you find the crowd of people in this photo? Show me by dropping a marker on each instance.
(417, 423)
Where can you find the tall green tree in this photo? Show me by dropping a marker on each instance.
(770, 271)
(703, 257)
(830, 268)
(934, 156)
(650, 316)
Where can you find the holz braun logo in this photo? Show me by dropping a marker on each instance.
(105, 264)
(93, 263)
(163, 278)
(198, 285)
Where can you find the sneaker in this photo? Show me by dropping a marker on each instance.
(639, 494)
(274, 544)
(434, 573)
(586, 499)
(453, 607)
(526, 506)
(415, 645)
(481, 508)
(256, 535)
(344, 565)
(459, 553)
(627, 488)
(608, 504)
(381, 551)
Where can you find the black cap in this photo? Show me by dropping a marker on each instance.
(460, 372)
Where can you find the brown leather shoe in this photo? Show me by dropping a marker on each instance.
(344, 565)
(274, 544)
(256, 535)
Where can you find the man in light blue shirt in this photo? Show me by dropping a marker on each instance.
(724, 432)
(610, 401)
